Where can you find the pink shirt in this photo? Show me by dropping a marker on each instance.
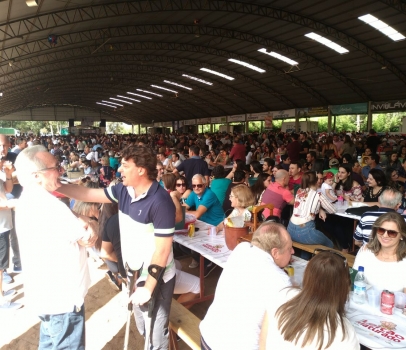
(279, 196)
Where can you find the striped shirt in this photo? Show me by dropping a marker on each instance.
(364, 227)
(150, 215)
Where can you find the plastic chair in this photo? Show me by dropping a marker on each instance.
(255, 210)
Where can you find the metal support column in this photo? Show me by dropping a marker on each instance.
(369, 120)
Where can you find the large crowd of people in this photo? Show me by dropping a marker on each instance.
(133, 190)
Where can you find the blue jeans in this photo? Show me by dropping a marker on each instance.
(63, 331)
(307, 234)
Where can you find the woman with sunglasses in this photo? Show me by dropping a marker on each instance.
(312, 317)
(181, 187)
(384, 257)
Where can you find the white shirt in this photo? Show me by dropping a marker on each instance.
(6, 222)
(249, 279)
(390, 275)
(329, 189)
(175, 164)
(275, 340)
(56, 276)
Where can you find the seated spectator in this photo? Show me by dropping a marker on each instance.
(219, 184)
(309, 203)
(278, 194)
(347, 158)
(241, 198)
(238, 179)
(268, 165)
(392, 177)
(114, 163)
(181, 187)
(256, 169)
(333, 166)
(106, 173)
(312, 317)
(372, 163)
(384, 257)
(174, 162)
(389, 202)
(376, 185)
(392, 161)
(258, 189)
(206, 204)
(356, 174)
(285, 161)
(234, 305)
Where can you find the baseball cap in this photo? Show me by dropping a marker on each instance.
(332, 162)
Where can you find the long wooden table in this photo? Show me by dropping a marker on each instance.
(310, 248)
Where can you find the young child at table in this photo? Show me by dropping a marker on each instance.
(241, 197)
(326, 187)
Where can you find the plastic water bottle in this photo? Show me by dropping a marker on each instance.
(360, 286)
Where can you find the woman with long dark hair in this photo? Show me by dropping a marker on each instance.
(308, 205)
(345, 186)
(312, 317)
(259, 187)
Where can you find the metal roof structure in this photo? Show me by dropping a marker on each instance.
(108, 48)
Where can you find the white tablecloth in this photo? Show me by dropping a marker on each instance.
(213, 249)
(367, 322)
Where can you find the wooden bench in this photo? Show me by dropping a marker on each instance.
(311, 247)
(185, 324)
(308, 248)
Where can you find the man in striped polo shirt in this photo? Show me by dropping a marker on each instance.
(389, 201)
(147, 225)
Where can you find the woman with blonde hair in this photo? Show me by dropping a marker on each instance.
(312, 317)
(241, 197)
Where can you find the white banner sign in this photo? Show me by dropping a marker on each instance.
(167, 124)
(257, 116)
(190, 122)
(181, 123)
(203, 121)
(218, 120)
(236, 118)
(287, 113)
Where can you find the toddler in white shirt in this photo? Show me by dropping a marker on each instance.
(326, 187)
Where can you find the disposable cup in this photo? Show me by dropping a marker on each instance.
(374, 298)
(400, 300)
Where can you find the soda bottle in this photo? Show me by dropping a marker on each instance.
(360, 286)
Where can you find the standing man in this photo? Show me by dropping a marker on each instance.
(6, 223)
(21, 144)
(15, 193)
(238, 150)
(293, 148)
(194, 165)
(311, 159)
(147, 225)
(295, 173)
(304, 145)
(56, 296)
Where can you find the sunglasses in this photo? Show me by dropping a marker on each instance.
(198, 186)
(319, 250)
(391, 233)
(181, 185)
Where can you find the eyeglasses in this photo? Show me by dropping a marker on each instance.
(181, 185)
(391, 233)
(198, 186)
(319, 250)
(57, 167)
